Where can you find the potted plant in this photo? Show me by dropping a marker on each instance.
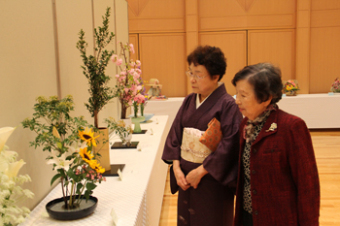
(94, 70)
(290, 87)
(70, 142)
(11, 192)
(335, 88)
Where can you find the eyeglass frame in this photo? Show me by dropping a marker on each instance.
(192, 75)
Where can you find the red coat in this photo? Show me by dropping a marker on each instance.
(284, 176)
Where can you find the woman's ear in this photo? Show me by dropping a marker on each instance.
(215, 77)
(267, 102)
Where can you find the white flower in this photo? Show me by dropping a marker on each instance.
(60, 162)
(5, 132)
(14, 167)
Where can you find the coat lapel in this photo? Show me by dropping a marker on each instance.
(269, 128)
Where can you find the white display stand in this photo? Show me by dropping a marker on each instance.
(137, 198)
(319, 111)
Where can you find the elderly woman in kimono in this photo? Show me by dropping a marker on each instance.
(278, 180)
(206, 179)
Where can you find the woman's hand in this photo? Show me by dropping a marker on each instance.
(180, 177)
(194, 176)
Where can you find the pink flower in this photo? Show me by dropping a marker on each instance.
(117, 75)
(139, 71)
(132, 64)
(123, 73)
(131, 48)
(136, 75)
(119, 62)
(138, 63)
(126, 90)
(131, 71)
(114, 58)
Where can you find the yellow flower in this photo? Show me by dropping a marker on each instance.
(289, 87)
(96, 166)
(88, 136)
(86, 155)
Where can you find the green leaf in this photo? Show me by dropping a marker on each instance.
(90, 186)
(55, 177)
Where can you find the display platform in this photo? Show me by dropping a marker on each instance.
(136, 197)
(319, 111)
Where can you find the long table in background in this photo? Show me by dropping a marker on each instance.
(319, 111)
(137, 198)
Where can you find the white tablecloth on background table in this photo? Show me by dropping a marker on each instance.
(319, 111)
(137, 199)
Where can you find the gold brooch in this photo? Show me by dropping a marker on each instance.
(272, 127)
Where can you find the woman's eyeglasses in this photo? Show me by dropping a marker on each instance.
(192, 75)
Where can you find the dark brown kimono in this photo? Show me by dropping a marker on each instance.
(211, 204)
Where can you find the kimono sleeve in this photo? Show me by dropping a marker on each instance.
(172, 147)
(305, 173)
(222, 164)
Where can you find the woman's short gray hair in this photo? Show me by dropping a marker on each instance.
(266, 80)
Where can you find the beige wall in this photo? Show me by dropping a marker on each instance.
(31, 64)
(299, 36)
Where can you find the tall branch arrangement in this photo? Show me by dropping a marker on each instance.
(95, 65)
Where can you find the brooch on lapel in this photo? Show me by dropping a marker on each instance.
(272, 127)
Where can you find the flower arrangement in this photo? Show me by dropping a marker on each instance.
(11, 192)
(336, 86)
(129, 82)
(290, 87)
(70, 143)
(121, 129)
(94, 67)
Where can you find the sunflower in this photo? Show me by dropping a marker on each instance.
(96, 166)
(88, 136)
(86, 155)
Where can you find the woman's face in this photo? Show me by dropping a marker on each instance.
(201, 82)
(247, 102)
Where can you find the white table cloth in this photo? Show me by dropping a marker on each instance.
(137, 199)
(319, 111)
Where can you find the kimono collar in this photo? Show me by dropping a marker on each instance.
(198, 103)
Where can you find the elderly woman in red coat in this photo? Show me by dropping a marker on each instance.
(278, 181)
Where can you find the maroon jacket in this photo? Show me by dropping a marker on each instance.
(284, 176)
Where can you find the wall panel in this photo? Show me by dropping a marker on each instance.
(156, 16)
(250, 14)
(73, 81)
(325, 58)
(325, 46)
(163, 57)
(233, 44)
(275, 46)
(27, 70)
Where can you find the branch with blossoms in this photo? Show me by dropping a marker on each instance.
(129, 82)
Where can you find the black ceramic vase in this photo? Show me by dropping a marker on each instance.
(56, 209)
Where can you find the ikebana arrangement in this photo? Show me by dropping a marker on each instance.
(129, 89)
(336, 86)
(95, 66)
(121, 129)
(100, 93)
(11, 192)
(70, 142)
(290, 87)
